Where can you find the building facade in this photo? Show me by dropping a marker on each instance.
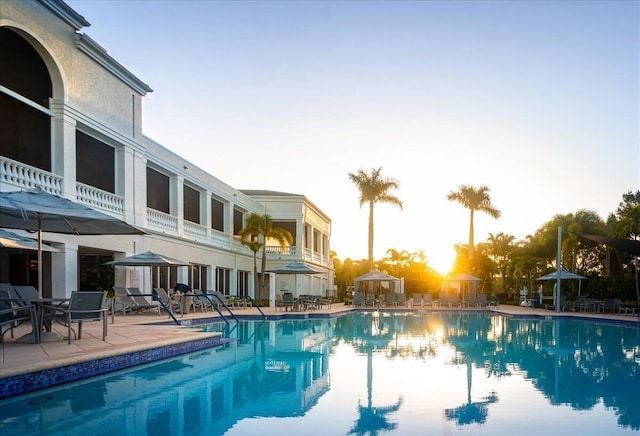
(71, 125)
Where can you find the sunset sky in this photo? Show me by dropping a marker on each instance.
(538, 100)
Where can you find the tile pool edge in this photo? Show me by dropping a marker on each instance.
(29, 381)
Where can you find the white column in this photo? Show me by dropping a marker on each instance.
(63, 148)
(65, 266)
(272, 290)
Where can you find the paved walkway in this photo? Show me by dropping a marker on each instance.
(145, 331)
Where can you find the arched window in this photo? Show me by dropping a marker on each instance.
(25, 90)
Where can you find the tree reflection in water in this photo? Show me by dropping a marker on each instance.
(372, 333)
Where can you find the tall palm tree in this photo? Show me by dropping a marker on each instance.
(257, 230)
(374, 189)
(474, 199)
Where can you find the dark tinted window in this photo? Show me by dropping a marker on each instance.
(191, 204)
(157, 191)
(217, 215)
(94, 163)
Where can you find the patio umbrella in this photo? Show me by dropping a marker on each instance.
(15, 241)
(294, 268)
(149, 259)
(40, 211)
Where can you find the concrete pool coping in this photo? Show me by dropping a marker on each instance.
(143, 338)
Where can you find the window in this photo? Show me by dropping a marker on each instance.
(157, 191)
(223, 278)
(289, 226)
(316, 241)
(217, 215)
(238, 222)
(243, 283)
(25, 131)
(191, 201)
(94, 163)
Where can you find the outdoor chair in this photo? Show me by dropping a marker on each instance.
(83, 307)
(390, 299)
(427, 300)
(611, 305)
(14, 312)
(472, 299)
(370, 300)
(417, 300)
(482, 301)
(287, 301)
(27, 293)
(122, 297)
(170, 302)
(358, 299)
(141, 302)
(11, 292)
(552, 305)
(579, 305)
(401, 300)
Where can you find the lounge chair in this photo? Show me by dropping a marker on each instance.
(472, 300)
(170, 302)
(390, 299)
(122, 297)
(370, 300)
(401, 300)
(417, 300)
(427, 300)
(482, 301)
(83, 307)
(141, 302)
(358, 299)
(14, 312)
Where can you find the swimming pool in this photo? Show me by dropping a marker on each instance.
(364, 373)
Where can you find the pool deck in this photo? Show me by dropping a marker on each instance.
(131, 334)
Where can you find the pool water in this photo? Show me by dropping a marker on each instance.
(364, 373)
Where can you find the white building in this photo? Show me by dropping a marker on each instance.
(71, 124)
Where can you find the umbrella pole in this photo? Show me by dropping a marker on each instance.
(39, 256)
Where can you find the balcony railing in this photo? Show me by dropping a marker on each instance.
(24, 176)
(162, 221)
(99, 199)
(289, 250)
(195, 231)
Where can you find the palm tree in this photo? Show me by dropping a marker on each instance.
(474, 199)
(374, 189)
(255, 233)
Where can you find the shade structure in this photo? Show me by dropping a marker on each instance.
(375, 279)
(463, 278)
(14, 241)
(40, 211)
(564, 275)
(627, 245)
(148, 259)
(294, 268)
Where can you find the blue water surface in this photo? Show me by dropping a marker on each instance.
(365, 374)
